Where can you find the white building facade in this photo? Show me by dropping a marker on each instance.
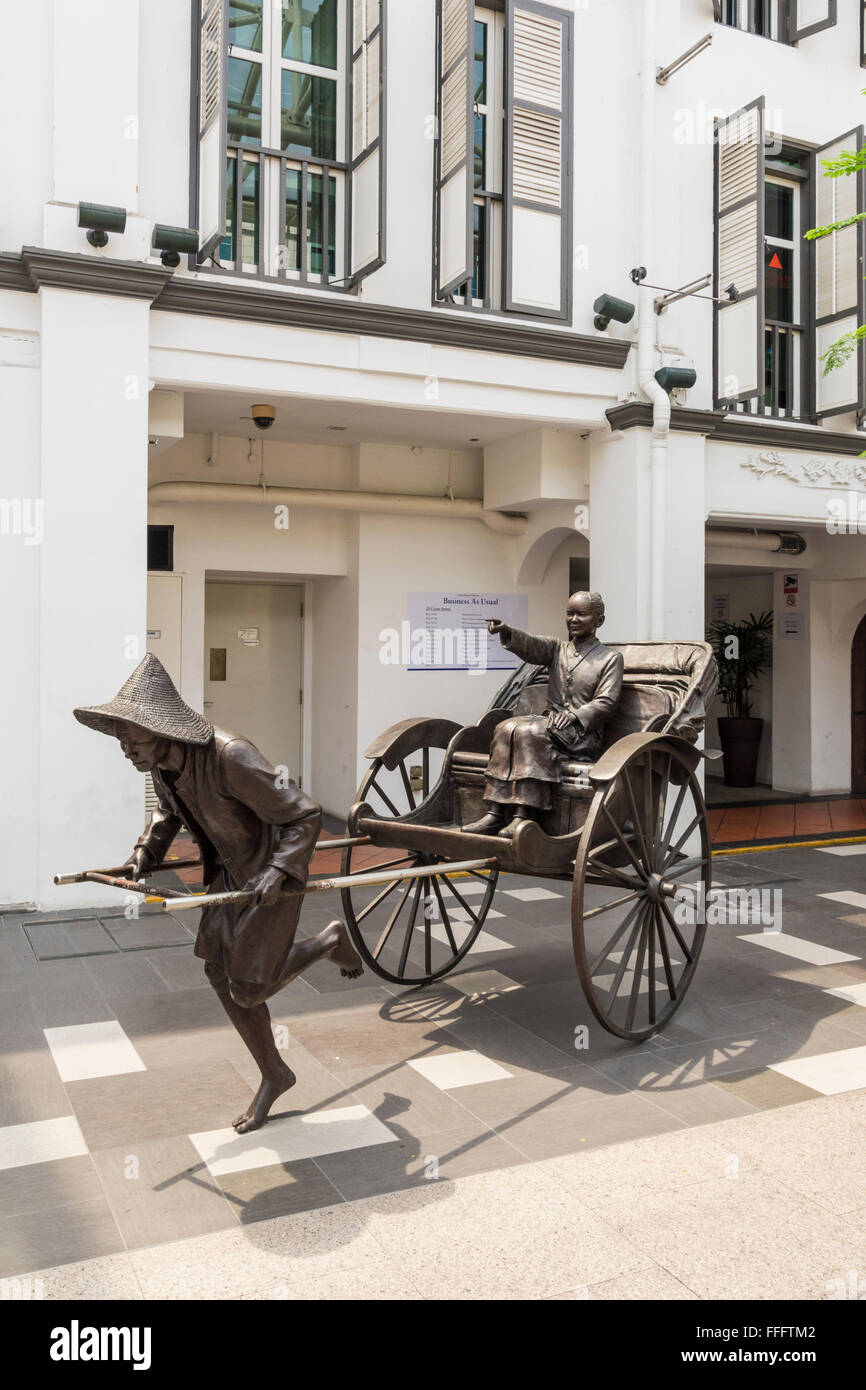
(405, 212)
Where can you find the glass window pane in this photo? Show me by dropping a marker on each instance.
(480, 150)
(779, 211)
(481, 63)
(227, 245)
(479, 268)
(250, 214)
(308, 114)
(293, 219)
(310, 32)
(779, 283)
(315, 224)
(245, 101)
(245, 24)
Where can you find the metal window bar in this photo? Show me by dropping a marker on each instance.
(462, 296)
(306, 169)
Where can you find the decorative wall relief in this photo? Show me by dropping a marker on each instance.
(847, 473)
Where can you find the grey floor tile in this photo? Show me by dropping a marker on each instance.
(40, 1186)
(572, 1123)
(57, 1236)
(147, 933)
(764, 1089)
(121, 976)
(58, 940)
(64, 993)
(257, 1194)
(180, 969)
(415, 1162)
(159, 1190)
(114, 1111)
(404, 1100)
(30, 1087)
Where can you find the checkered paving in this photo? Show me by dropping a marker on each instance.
(121, 1074)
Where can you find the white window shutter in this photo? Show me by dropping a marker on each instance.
(810, 17)
(367, 184)
(538, 157)
(863, 33)
(837, 277)
(213, 56)
(739, 225)
(455, 175)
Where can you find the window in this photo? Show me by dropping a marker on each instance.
(503, 157)
(290, 185)
(786, 21)
(793, 298)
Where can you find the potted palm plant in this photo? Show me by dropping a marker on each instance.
(744, 651)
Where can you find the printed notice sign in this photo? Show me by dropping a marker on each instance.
(791, 627)
(721, 606)
(448, 632)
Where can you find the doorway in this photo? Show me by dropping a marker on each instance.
(858, 709)
(253, 666)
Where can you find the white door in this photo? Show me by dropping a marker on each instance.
(253, 666)
(164, 619)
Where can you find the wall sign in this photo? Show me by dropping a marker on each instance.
(248, 636)
(791, 627)
(720, 608)
(448, 632)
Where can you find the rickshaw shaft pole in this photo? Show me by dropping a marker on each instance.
(321, 885)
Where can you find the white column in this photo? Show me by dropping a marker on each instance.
(621, 540)
(93, 576)
(792, 694)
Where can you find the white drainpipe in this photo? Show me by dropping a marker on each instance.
(327, 499)
(648, 329)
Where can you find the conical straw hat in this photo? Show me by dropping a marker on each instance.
(149, 700)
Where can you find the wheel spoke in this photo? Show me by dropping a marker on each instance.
(407, 940)
(675, 870)
(425, 773)
(638, 829)
(693, 823)
(635, 984)
(380, 897)
(620, 932)
(462, 901)
(666, 955)
(623, 965)
(618, 833)
(615, 902)
(671, 827)
(676, 931)
(651, 966)
(374, 786)
(407, 785)
(392, 920)
(660, 823)
(446, 921)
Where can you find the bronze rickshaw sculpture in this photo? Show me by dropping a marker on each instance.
(629, 831)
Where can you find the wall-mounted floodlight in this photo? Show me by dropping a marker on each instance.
(606, 307)
(676, 378)
(170, 241)
(101, 220)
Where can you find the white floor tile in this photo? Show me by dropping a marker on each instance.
(42, 1141)
(88, 1050)
(285, 1141)
(797, 947)
(855, 994)
(531, 895)
(459, 914)
(469, 887)
(852, 899)
(829, 1073)
(842, 850)
(483, 942)
(481, 983)
(453, 1069)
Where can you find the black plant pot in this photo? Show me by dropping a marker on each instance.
(740, 740)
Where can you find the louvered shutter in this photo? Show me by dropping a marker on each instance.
(863, 33)
(837, 276)
(810, 17)
(537, 162)
(456, 166)
(739, 220)
(367, 187)
(213, 56)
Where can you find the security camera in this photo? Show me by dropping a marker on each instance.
(263, 416)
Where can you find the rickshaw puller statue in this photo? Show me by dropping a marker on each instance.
(255, 830)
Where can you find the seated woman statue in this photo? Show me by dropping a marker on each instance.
(584, 683)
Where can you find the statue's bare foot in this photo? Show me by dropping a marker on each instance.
(271, 1089)
(342, 952)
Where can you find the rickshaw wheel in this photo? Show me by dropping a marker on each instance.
(641, 876)
(415, 930)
